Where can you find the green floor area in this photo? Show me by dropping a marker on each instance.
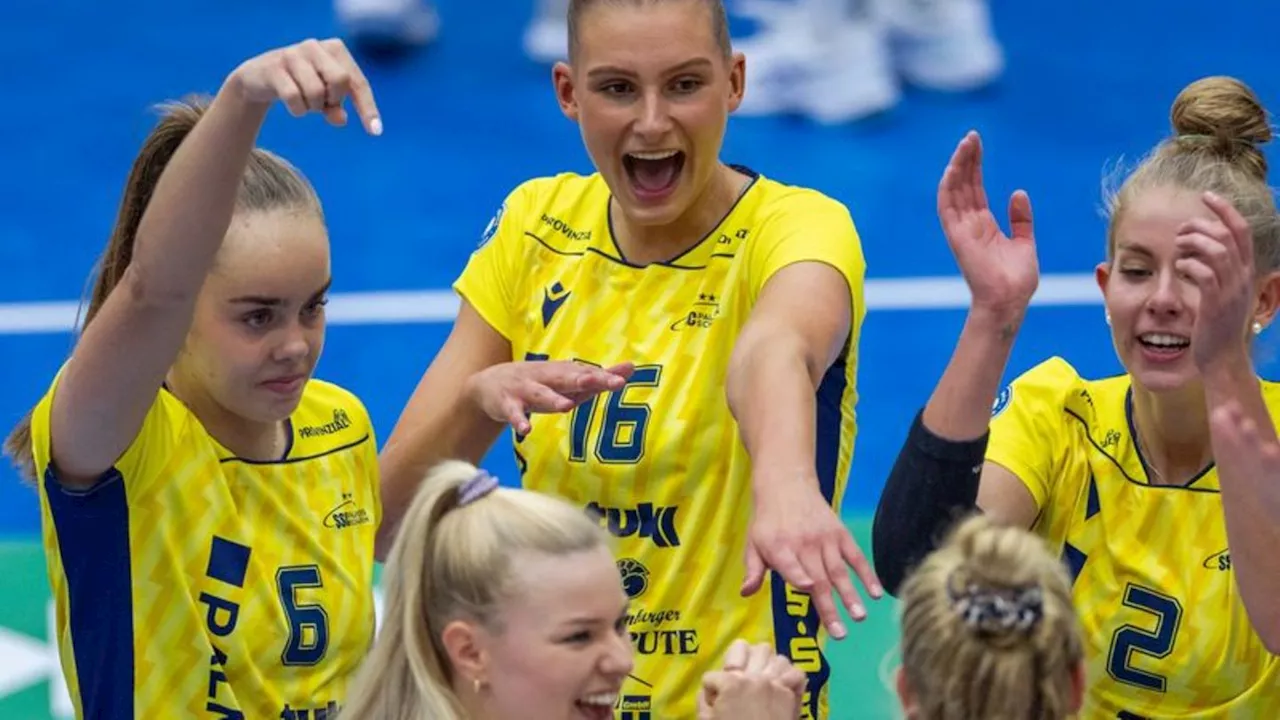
(31, 687)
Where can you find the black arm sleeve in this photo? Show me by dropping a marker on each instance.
(934, 482)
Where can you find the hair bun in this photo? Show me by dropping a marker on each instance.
(1224, 114)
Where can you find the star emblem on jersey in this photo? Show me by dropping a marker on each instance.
(552, 298)
(701, 314)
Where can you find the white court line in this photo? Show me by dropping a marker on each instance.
(440, 306)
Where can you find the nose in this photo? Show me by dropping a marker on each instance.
(619, 657)
(294, 345)
(1168, 298)
(654, 122)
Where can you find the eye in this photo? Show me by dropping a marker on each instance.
(579, 638)
(1135, 272)
(315, 307)
(688, 85)
(616, 88)
(257, 318)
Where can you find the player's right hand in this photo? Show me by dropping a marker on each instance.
(311, 76)
(509, 392)
(1002, 271)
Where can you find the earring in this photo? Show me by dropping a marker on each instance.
(1107, 316)
(1257, 328)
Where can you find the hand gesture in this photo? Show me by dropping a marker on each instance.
(795, 532)
(755, 684)
(1001, 271)
(509, 392)
(1218, 258)
(311, 76)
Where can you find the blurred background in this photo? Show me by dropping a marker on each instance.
(1061, 92)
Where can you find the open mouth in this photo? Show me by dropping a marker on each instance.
(653, 175)
(597, 706)
(1164, 344)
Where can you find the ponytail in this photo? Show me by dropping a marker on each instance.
(452, 560)
(176, 122)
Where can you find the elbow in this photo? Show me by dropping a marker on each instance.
(886, 555)
(149, 288)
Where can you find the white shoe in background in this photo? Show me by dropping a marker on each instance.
(943, 44)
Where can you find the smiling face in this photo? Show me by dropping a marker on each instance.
(561, 649)
(651, 88)
(1153, 306)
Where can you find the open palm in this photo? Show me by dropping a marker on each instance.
(1001, 271)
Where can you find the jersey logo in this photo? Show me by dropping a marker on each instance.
(635, 577)
(701, 315)
(643, 521)
(1219, 561)
(346, 514)
(492, 228)
(1002, 400)
(552, 298)
(341, 421)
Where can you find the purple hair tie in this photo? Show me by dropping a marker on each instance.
(477, 487)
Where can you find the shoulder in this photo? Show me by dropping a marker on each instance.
(1053, 386)
(567, 205)
(332, 416)
(779, 201)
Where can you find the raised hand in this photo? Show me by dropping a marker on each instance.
(1218, 258)
(311, 76)
(1001, 270)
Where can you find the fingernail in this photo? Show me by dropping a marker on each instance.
(837, 630)
(376, 126)
(877, 590)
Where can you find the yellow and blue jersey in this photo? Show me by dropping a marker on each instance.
(1166, 634)
(660, 462)
(189, 582)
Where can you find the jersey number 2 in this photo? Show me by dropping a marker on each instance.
(308, 623)
(1158, 643)
(621, 435)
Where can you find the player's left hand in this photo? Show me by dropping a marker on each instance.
(1242, 438)
(756, 682)
(509, 392)
(1219, 260)
(797, 534)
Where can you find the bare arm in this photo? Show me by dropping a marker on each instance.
(440, 420)
(960, 407)
(120, 362)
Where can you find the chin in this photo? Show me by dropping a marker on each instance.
(1159, 380)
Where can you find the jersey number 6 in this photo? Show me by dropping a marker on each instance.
(308, 623)
(1158, 643)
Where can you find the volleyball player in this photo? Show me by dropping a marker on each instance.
(209, 509)
(725, 306)
(1145, 483)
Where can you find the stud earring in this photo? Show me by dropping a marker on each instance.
(1257, 328)
(1107, 316)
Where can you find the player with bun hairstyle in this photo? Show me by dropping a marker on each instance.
(505, 603)
(1160, 488)
(190, 521)
(988, 630)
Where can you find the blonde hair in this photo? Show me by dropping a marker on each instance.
(988, 628)
(1219, 127)
(453, 560)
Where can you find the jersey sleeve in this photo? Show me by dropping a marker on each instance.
(1028, 425)
(141, 465)
(808, 227)
(488, 280)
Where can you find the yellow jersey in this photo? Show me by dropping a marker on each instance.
(1165, 631)
(660, 462)
(189, 583)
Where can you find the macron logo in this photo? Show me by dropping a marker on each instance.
(553, 297)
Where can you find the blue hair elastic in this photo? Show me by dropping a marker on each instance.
(477, 487)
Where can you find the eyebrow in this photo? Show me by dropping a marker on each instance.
(275, 301)
(1134, 248)
(700, 62)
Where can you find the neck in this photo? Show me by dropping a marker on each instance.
(646, 244)
(251, 440)
(1173, 432)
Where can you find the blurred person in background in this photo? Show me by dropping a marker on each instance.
(831, 60)
(988, 630)
(1146, 483)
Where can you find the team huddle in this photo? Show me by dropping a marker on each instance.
(673, 343)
